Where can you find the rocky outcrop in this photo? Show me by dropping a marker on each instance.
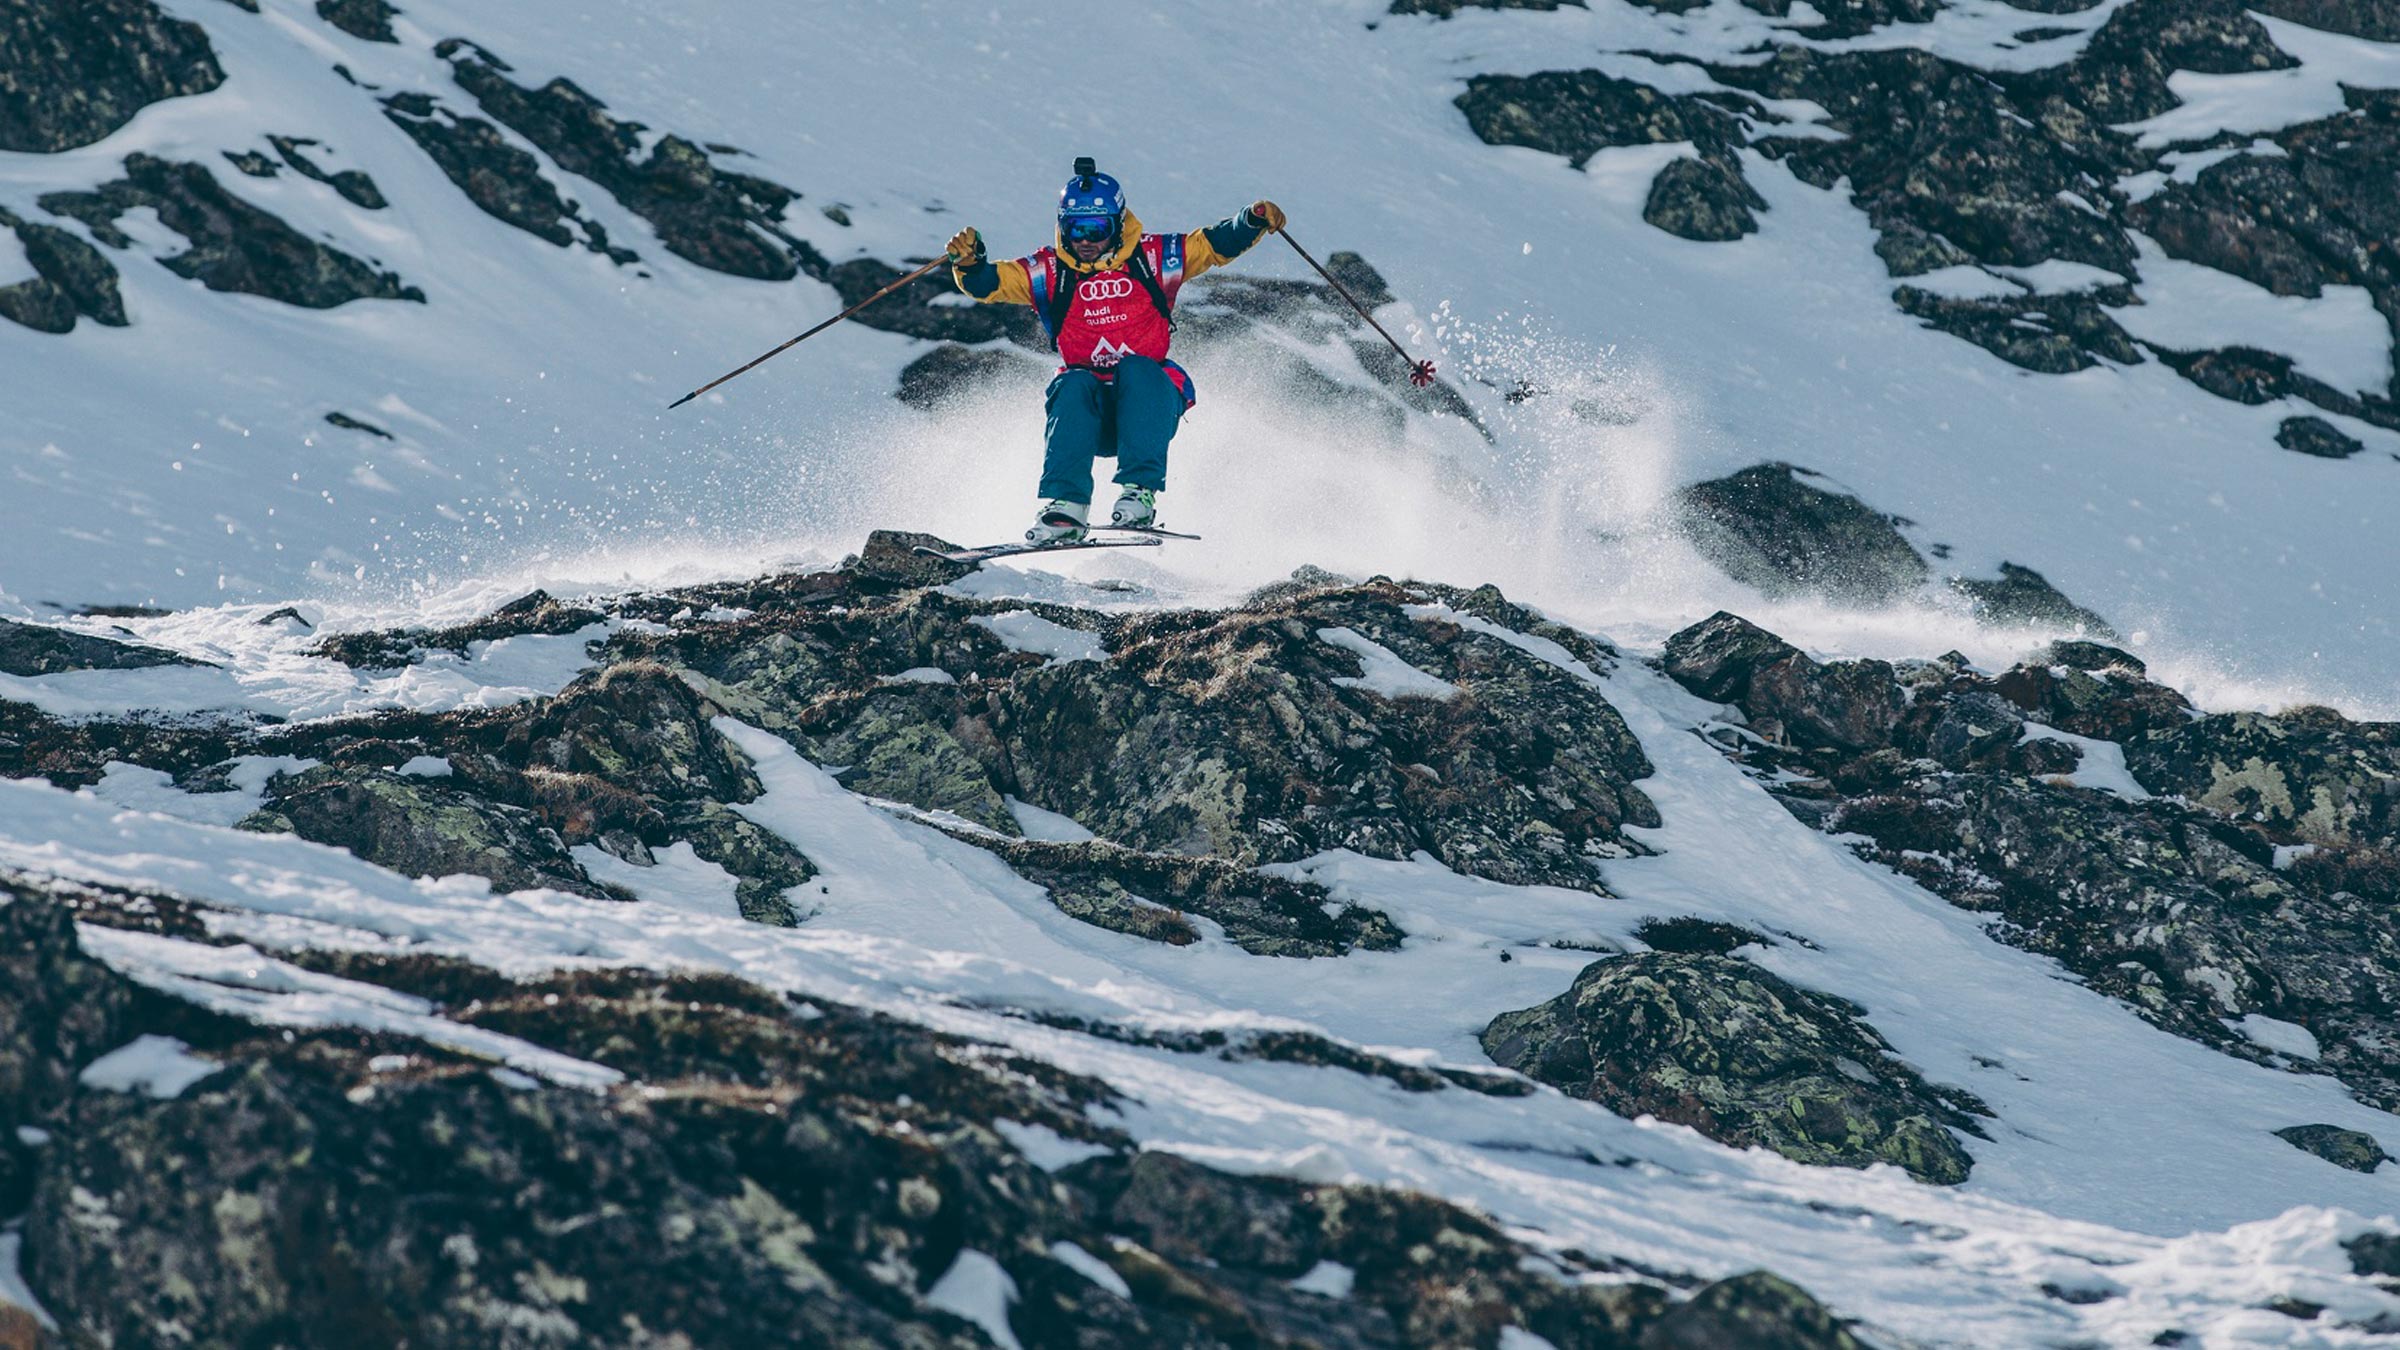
(533, 613)
(2020, 595)
(355, 186)
(234, 246)
(1770, 530)
(504, 181)
(71, 279)
(422, 827)
(367, 20)
(1741, 1056)
(44, 649)
(765, 1171)
(1443, 9)
(2316, 436)
(706, 214)
(2249, 884)
(2053, 334)
(2358, 18)
(929, 307)
(1706, 200)
(953, 372)
(2354, 1149)
(71, 75)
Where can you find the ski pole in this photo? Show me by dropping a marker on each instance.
(1420, 373)
(811, 332)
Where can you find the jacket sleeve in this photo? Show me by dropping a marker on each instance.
(1000, 283)
(1221, 243)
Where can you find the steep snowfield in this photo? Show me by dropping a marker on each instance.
(184, 460)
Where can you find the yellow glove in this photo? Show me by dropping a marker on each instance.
(966, 248)
(1267, 213)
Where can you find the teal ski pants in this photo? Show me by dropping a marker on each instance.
(1131, 416)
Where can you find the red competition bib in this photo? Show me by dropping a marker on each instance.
(1110, 315)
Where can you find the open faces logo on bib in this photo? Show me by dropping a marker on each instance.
(1105, 288)
(1108, 353)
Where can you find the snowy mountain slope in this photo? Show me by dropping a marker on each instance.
(2120, 1162)
(509, 430)
(526, 393)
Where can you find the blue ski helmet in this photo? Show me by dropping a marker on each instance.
(1091, 204)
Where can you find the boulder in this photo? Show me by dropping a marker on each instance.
(71, 279)
(1739, 1055)
(2023, 596)
(952, 372)
(421, 827)
(59, 1010)
(2354, 1149)
(45, 649)
(70, 75)
(1706, 200)
(2316, 436)
(366, 20)
(1770, 530)
(1846, 705)
(2310, 772)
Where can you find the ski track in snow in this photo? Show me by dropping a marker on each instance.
(2122, 1159)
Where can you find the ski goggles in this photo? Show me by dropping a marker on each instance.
(1087, 229)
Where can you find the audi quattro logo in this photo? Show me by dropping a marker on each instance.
(1105, 288)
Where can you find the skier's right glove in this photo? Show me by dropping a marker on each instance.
(966, 248)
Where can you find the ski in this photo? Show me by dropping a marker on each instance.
(1151, 530)
(1142, 539)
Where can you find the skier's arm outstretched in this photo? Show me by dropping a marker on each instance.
(1008, 283)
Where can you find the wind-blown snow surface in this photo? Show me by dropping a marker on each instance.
(2123, 1161)
(184, 459)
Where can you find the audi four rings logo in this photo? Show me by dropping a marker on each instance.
(1105, 288)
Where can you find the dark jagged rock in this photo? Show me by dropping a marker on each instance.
(725, 221)
(253, 164)
(2316, 436)
(59, 1010)
(1739, 1055)
(367, 20)
(70, 75)
(2190, 907)
(71, 278)
(1941, 149)
(348, 423)
(2248, 375)
(1443, 9)
(503, 181)
(2021, 595)
(2121, 74)
(1851, 18)
(421, 827)
(2359, 18)
(952, 372)
(354, 185)
(1848, 705)
(1768, 529)
(42, 649)
(1579, 113)
(1703, 936)
(891, 557)
(2353, 1149)
(234, 246)
(2310, 772)
(767, 1172)
(2052, 334)
(535, 612)
(1703, 199)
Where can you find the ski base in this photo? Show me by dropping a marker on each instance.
(977, 555)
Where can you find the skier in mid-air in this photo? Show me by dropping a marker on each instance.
(1106, 292)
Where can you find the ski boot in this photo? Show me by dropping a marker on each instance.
(1061, 522)
(1136, 509)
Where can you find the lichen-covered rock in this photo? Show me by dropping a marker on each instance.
(1851, 18)
(2053, 334)
(952, 372)
(354, 185)
(1845, 705)
(1706, 200)
(2316, 436)
(2310, 772)
(503, 181)
(2020, 595)
(59, 1009)
(1768, 529)
(71, 279)
(45, 649)
(70, 75)
(2354, 1149)
(421, 827)
(1581, 112)
(722, 220)
(234, 246)
(367, 20)
(1739, 1055)
(533, 613)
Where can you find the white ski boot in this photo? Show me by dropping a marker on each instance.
(1061, 522)
(1137, 509)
